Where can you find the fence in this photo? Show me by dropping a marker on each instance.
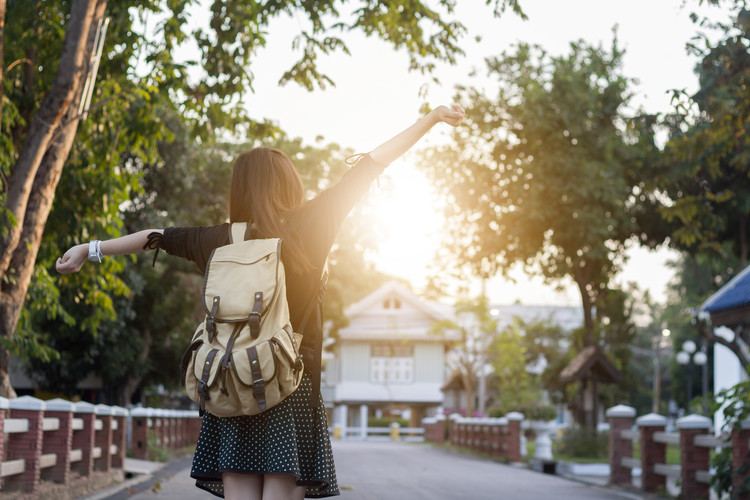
(395, 433)
(55, 448)
(694, 440)
(497, 437)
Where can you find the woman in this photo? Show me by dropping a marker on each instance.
(284, 452)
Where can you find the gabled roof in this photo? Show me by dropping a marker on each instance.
(590, 361)
(734, 294)
(389, 289)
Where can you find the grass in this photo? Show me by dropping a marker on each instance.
(673, 453)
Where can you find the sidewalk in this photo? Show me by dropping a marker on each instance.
(150, 480)
(369, 470)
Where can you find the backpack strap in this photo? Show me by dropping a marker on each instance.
(317, 349)
(237, 232)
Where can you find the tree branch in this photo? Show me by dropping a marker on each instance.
(707, 331)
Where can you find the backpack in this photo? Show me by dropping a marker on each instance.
(244, 357)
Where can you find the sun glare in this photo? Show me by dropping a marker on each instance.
(412, 215)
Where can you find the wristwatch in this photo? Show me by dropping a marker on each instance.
(95, 251)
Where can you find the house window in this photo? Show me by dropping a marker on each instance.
(391, 370)
(392, 303)
(391, 350)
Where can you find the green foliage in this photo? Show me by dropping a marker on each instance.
(386, 422)
(531, 411)
(542, 172)
(582, 442)
(150, 142)
(735, 403)
(473, 330)
(513, 386)
(702, 176)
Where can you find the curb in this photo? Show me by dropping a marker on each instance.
(144, 479)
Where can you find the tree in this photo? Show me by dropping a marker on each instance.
(515, 386)
(473, 328)
(704, 171)
(40, 132)
(697, 194)
(540, 173)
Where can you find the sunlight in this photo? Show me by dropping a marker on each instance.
(412, 215)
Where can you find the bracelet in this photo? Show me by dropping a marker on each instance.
(95, 251)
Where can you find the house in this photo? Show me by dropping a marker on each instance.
(729, 313)
(388, 364)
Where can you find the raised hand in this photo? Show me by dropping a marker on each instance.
(452, 116)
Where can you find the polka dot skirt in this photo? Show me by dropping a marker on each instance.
(290, 438)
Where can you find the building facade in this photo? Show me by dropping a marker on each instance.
(388, 364)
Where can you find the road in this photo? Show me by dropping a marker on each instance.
(374, 470)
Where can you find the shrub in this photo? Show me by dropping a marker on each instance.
(534, 411)
(386, 422)
(579, 442)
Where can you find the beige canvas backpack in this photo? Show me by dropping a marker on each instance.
(244, 357)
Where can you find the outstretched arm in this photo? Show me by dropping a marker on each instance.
(73, 259)
(401, 143)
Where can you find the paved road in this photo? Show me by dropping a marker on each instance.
(396, 471)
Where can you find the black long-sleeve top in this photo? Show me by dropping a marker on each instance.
(315, 227)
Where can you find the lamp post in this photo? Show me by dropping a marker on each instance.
(688, 356)
(661, 343)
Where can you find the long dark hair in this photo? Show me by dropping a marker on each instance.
(266, 191)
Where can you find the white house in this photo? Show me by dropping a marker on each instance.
(387, 363)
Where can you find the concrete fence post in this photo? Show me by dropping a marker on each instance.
(620, 418)
(59, 441)
(173, 438)
(499, 445)
(741, 461)
(141, 420)
(440, 428)
(26, 445)
(103, 438)
(3, 412)
(514, 436)
(83, 438)
(652, 452)
(693, 458)
(119, 436)
(181, 429)
(456, 431)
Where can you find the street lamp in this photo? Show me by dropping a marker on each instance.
(660, 343)
(688, 356)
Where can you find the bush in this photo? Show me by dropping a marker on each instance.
(386, 422)
(535, 411)
(579, 442)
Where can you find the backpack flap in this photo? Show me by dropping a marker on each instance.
(236, 273)
(205, 370)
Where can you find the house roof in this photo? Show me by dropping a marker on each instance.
(389, 289)
(735, 294)
(393, 312)
(590, 361)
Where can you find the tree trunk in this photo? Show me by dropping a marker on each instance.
(743, 241)
(72, 66)
(707, 330)
(581, 279)
(469, 390)
(42, 178)
(132, 382)
(2, 59)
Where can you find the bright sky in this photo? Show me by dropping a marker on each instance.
(375, 96)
